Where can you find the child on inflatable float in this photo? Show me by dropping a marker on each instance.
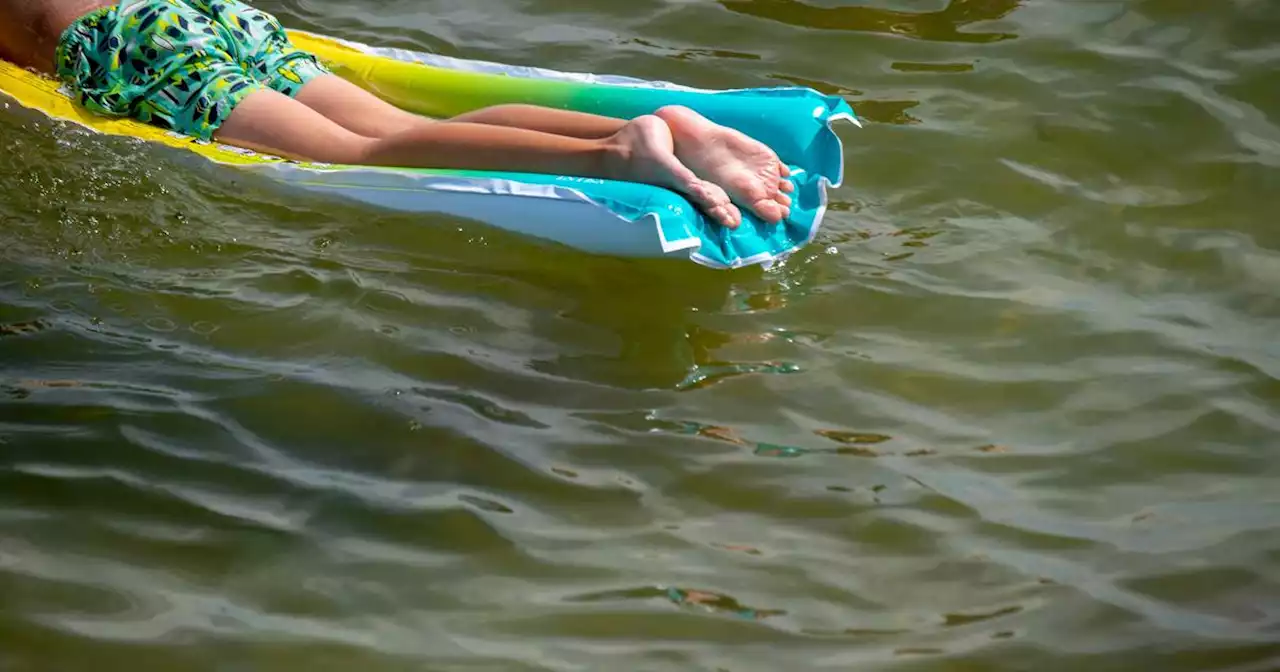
(221, 70)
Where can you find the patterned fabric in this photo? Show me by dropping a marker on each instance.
(179, 64)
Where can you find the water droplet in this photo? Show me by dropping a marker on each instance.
(771, 450)
(203, 327)
(859, 438)
(486, 504)
(160, 324)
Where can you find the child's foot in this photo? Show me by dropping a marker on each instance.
(646, 154)
(747, 169)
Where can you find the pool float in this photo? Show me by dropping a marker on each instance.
(599, 216)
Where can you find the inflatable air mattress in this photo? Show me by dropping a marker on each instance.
(598, 216)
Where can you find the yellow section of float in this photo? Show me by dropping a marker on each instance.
(43, 94)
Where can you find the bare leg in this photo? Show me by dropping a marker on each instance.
(546, 119)
(641, 151)
(356, 109)
(748, 170)
(364, 113)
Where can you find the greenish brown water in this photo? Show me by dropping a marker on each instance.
(1017, 408)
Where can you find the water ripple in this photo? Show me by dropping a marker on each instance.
(943, 25)
(1012, 410)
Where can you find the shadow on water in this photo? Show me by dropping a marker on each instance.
(941, 26)
(163, 221)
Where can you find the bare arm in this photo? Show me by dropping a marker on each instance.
(30, 29)
(7, 27)
(19, 41)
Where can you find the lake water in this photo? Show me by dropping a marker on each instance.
(1017, 408)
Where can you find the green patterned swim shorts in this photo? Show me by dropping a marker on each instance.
(179, 64)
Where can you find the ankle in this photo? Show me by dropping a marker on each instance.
(616, 156)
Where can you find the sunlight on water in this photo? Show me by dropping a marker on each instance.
(1015, 408)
